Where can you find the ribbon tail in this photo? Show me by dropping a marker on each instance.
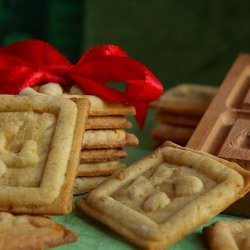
(141, 112)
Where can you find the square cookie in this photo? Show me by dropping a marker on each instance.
(31, 232)
(108, 138)
(186, 99)
(166, 195)
(107, 122)
(177, 119)
(228, 235)
(99, 168)
(98, 106)
(102, 155)
(40, 141)
(177, 134)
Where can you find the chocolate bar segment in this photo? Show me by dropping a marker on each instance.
(224, 130)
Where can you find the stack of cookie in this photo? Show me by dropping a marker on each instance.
(104, 139)
(103, 143)
(180, 110)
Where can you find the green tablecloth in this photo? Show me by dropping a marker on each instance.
(92, 235)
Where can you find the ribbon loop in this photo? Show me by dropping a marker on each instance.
(31, 62)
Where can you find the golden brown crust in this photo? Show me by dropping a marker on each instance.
(108, 138)
(228, 235)
(177, 119)
(186, 99)
(98, 107)
(31, 232)
(232, 165)
(178, 134)
(73, 162)
(53, 196)
(99, 168)
(107, 122)
(101, 155)
(166, 195)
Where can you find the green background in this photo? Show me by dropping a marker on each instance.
(180, 41)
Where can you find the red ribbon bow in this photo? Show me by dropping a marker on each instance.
(27, 63)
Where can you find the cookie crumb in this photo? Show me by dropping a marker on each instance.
(120, 177)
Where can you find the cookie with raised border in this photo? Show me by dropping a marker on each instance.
(40, 144)
(107, 122)
(98, 107)
(166, 195)
(228, 235)
(177, 119)
(102, 155)
(99, 168)
(178, 134)
(108, 138)
(186, 99)
(31, 232)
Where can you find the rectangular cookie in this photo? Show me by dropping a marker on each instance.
(99, 168)
(228, 235)
(163, 197)
(186, 99)
(225, 127)
(108, 138)
(177, 134)
(98, 107)
(101, 155)
(177, 119)
(107, 122)
(40, 142)
(31, 232)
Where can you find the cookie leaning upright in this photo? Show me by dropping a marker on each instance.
(179, 111)
(166, 195)
(40, 144)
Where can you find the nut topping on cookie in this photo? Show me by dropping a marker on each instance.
(51, 89)
(139, 188)
(156, 202)
(166, 195)
(188, 185)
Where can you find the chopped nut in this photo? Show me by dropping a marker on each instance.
(188, 185)
(51, 89)
(156, 202)
(139, 188)
(120, 176)
(28, 91)
(75, 90)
